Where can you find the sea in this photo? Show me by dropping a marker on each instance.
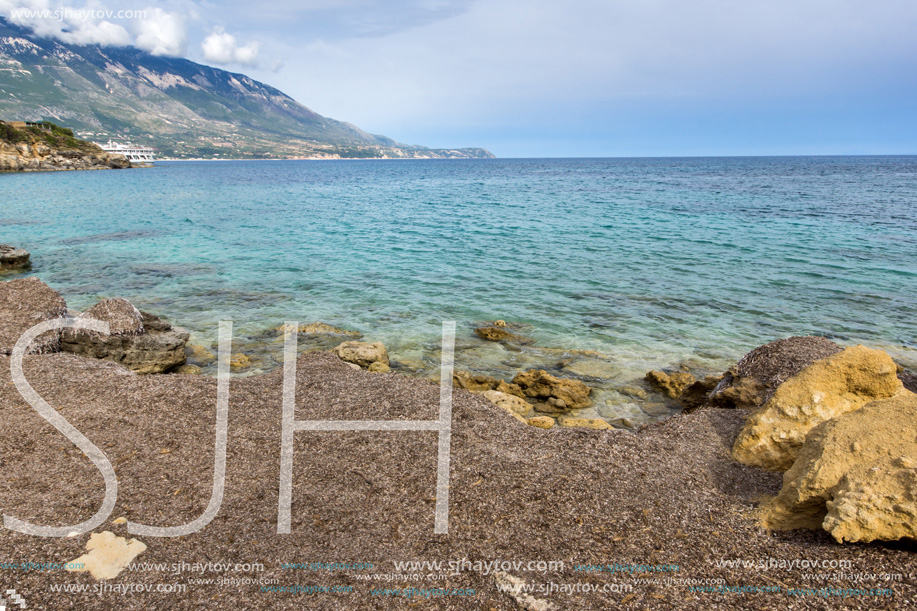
(607, 267)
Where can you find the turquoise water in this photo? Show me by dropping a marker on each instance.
(652, 262)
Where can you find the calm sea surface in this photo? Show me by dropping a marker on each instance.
(652, 262)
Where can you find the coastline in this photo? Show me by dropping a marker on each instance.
(588, 500)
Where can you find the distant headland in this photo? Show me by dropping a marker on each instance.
(180, 108)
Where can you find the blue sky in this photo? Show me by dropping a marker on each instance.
(576, 78)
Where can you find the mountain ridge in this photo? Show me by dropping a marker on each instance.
(181, 108)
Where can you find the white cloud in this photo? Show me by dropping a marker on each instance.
(220, 47)
(155, 30)
(83, 25)
(162, 33)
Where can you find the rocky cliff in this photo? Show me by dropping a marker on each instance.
(36, 149)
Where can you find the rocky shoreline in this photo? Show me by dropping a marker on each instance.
(803, 449)
(38, 150)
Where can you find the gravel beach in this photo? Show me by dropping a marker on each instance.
(668, 495)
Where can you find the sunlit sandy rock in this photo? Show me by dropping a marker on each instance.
(670, 384)
(828, 388)
(586, 423)
(108, 555)
(755, 378)
(541, 422)
(540, 385)
(363, 354)
(860, 466)
(510, 403)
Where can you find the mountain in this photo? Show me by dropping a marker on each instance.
(179, 107)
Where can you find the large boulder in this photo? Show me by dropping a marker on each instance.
(856, 476)
(13, 259)
(556, 394)
(363, 354)
(826, 389)
(24, 303)
(755, 378)
(140, 341)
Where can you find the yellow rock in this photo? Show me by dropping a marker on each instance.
(827, 388)
(538, 383)
(108, 555)
(378, 367)
(319, 328)
(199, 354)
(541, 422)
(239, 361)
(363, 354)
(670, 384)
(586, 423)
(856, 476)
(510, 403)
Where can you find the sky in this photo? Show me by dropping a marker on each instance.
(542, 78)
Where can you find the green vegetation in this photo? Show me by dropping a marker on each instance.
(60, 138)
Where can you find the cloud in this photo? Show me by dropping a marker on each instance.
(162, 33)
(220, 47)
(153, 29)
(81, 26)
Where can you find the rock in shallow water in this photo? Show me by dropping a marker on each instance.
(13, 259)
(497, 334)
(670, 384)
(828, 388)
(539, 384)
(363, 354)
(146, 344)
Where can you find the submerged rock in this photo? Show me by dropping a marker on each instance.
(239, 362)
(199, 355)
(320, 328)
(13, 259)
(670, 384)
(363, 354)
(567, 394)
(755, 378)
(827, 388)
(140, 341)
(24, 303)
(855, 476)
(497, 334)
